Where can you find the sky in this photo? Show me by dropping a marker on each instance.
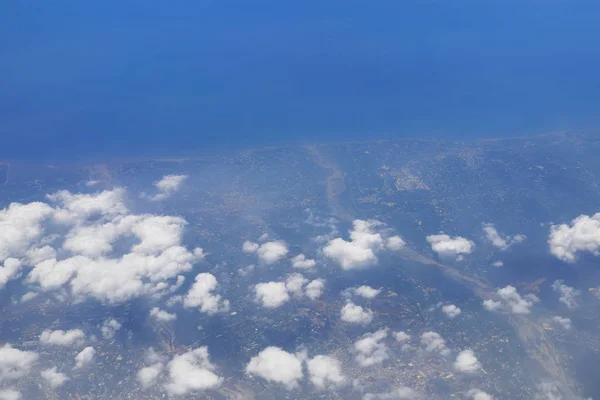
(83, 79)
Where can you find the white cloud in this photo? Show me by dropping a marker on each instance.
(510, 301)
(276, 365)
(20, 227)
(401, 336)
(10, 270)
(85, 357)
(398, 393)
(162, 315)
(370, 348)
(356, 314)
(28, 297)
(366, 291)
(201, 295)
(325, 372)
(583, 234)
(451, 310)
(476, 394)
(249, 247)
(434, 343)
(568, 294)
(315, 289)
(467, 362)
(15, 363)
(148, 376)
(360, 251)
(502, 243)
(70, 338)
(10, 394)
(168, 185)
(565, 323)
(300, 261)
(448, 246)
(191, 372)
(395, 243)
(53, 377)
(271, 252)
(497, 264)
(110, 328)
(271, 294)
(294, 284)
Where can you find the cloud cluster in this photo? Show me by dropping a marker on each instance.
(109, 328)
(565, 323)
(268, 252)
(85, 357)
(191, 372)
(371, 349)
(510, 301)
(168, 185)
(447, 246)
(148, 376)
(583, 234)
(500, 242)
(325, 372)
(93, 246)
(398, 393)
(367, 239)
(451, 311)
(15, 363)
(477, 394)
(355, 314)
(162, 315)
(568, 294)
(366, 291)
(433, 342)
(467, 362)
(277, 365)
(276, 294)
(70, 338)
(53, 377)
(301, 262)
(201, 295)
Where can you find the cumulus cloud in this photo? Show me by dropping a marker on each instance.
(448, 246)
(249, 247)
(434, 343)
(366, 291)
(162, 315)
(93, 261)
(398, 393)
(568, 294)
(168, 185)
(583, 234)
(272, 252)
(271, 294)
(370, 348)
(15, 363)
(500, 242)
(191, 372)
(276, 294)
(10, 394)
(451, 310)
(300, 261)
(70, 338)
(366, 240)
(85, 357)
(467, 362)
(53, 377)
(401, 336)
(109, 328)
(315, 289)
(498, 264)
(277, 365)
(201, 295)
(356, 314)
(148, 376)
(325, 372)
(477, 394)
(510, 301)
(565, 323)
